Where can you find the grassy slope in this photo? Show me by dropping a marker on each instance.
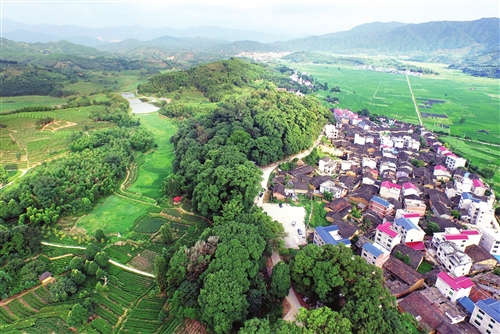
(10, 103)
(157, 163)
(26, 144)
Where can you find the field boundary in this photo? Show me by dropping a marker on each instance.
(414, 101)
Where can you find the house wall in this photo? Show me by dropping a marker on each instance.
(449, 292)
(490, 241)
(386, 241)
(483, 322)
(372, 259)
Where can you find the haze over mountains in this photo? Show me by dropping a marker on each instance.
(467, 38)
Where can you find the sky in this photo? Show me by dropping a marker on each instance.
(291, 17)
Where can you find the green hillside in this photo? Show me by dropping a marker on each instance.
(214, 80)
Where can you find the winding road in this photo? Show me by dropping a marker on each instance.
(292, 298)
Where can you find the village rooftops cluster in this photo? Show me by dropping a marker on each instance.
(404, 181)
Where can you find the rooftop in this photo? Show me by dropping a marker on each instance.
(386, 228)
(372, 249)
(406, 224)
(491, 307)
(330, 235)
(456, 284)
(381, 201)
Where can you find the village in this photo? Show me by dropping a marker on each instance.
(406, 204)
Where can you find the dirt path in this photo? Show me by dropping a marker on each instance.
(8, 300)
(414, 102)
(62, 246)
(140, 272)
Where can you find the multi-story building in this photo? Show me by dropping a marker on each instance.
(375, 254)
(453, 288)
(478, 187)
(481, 214)
(415, 206)
(441, 173)
(386, 237)
(329, 235)
(456, 262)
(453, 162)
(331, 131)
(381, 206)
(461, 239)
(490, 240)
(409, 231)
(486, 316)
(328, 165)
(390, 190)
(410, 189)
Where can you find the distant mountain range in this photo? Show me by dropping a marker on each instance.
(467, 39)
(44, 33)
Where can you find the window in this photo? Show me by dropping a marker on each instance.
(477, 322)
(488, 331)
(480, 317)
(490, 326)
(480, 311)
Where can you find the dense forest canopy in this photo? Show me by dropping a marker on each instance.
(216, 155)
(215, 80)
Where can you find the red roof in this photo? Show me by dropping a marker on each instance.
(409, 185)
(388, 184)
(458, 283)
(440, 167)
(416, 245)
(477, 183)
(177, 198)
(411, 215)
(386, 228)
(470, 232)
(456, 237)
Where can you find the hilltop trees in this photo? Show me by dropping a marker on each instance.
(216, 154)
(337, 278)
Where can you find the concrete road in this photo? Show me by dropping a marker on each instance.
(286, 215)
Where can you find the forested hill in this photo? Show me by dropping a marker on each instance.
(215, 155)
(214, 80)
(480, 34)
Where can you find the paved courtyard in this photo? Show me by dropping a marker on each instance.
(286, 215)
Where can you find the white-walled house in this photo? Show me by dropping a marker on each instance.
(490, 240)
(453, 288)
(369, 162)
(386, 236)
(482, 215)
(409, 231)
(332, 188)
(375, 254)
(331, 131)
(390, 190)
(453, 162)
(478, 187)
(328, 165)
(486, 316)
(460, 238)
(454, 260)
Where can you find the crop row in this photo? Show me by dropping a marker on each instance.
(149, 225)
(102, 326)
(107, 315)
(121, 297)
(18, 309)
(5, 317)
(134, 325)
(118, 255)
(172, 212)
(114, 307)
(140, 236)
(144, 314)
(33, 300)
(48, 325)
(171, 324)
(132, 282)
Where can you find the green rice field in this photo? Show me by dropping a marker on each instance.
(475, 100)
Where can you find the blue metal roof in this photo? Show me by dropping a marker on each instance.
(467, 196)
(467, 303)
(407, 224)
(381, 201)
(372, 249)
(497, 257)
(491, 307)
(324, 233)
